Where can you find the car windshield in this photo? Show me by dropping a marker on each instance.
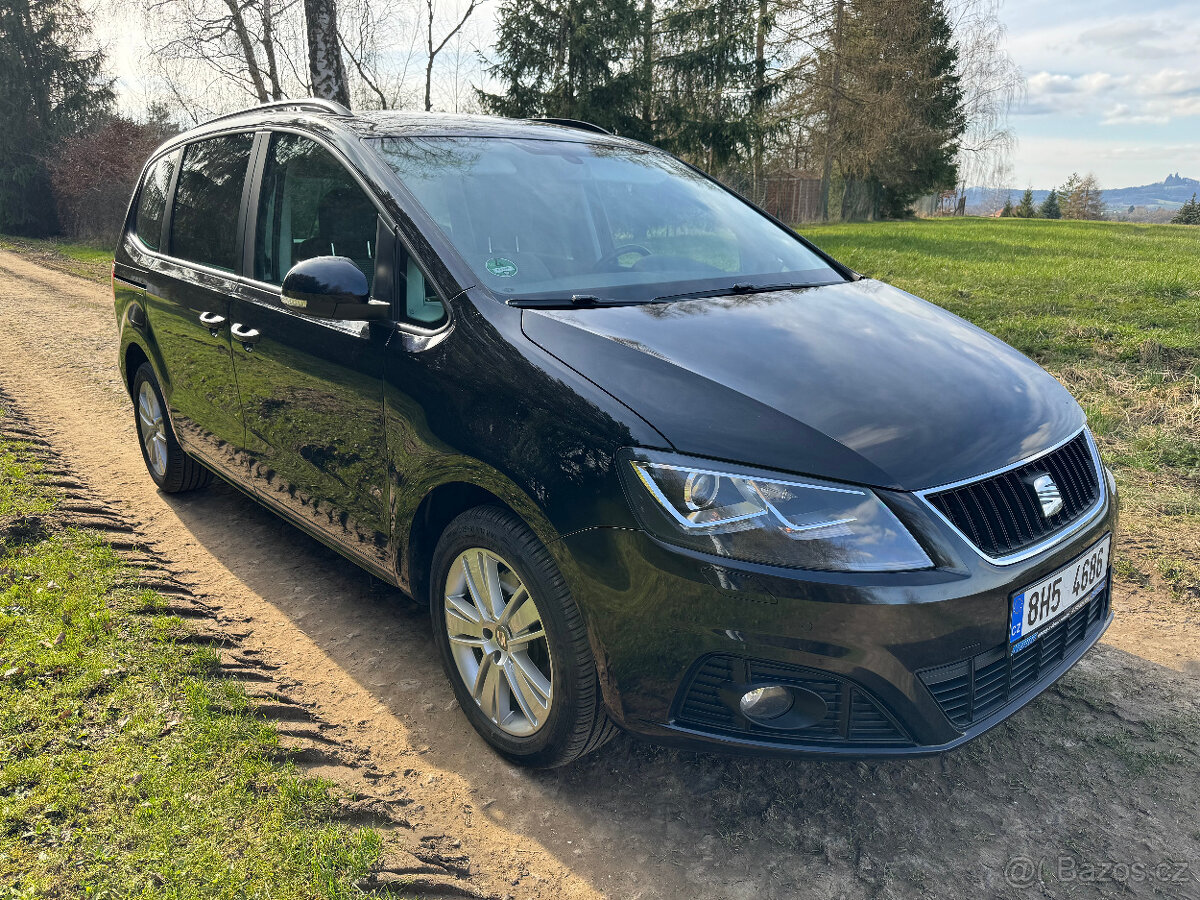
(556, 219)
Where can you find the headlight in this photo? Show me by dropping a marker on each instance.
(785, 522)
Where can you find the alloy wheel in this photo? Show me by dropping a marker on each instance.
(152, 427)
(498, 642)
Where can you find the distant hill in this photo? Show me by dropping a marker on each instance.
(1170, 193)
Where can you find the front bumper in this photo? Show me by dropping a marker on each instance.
(678, 635)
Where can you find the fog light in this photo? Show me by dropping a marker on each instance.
(764, 703)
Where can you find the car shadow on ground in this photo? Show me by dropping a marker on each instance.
(1092, 789)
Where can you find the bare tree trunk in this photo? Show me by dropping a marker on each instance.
(268, 43)
(243, 36)
(831, 118)
(324, 52)
(432, 52)
(429, 57)
(760, 99)
(367, 77)
(648, 67)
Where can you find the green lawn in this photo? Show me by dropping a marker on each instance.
(1113, 310)
(1062, 292)
(126, 769)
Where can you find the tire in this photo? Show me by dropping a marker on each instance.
(172, 470)
(574, 721)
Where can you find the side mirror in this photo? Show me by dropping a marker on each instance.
(331, 287)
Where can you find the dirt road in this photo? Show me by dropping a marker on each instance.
(1099, 775)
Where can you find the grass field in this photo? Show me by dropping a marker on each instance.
(1113, 310)
(126, 770)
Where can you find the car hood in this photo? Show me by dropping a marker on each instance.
(858, 382)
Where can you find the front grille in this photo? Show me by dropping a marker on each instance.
(853, 717)
(1001, 514)
(970, 690)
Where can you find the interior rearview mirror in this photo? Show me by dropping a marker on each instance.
(331, 287)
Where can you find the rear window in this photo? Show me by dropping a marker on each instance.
(152, 201)
(207, 199)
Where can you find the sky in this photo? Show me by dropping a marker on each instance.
(1112, 87)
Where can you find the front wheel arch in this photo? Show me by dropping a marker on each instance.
(436, 511)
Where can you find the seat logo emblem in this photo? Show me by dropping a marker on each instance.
(1048, 495)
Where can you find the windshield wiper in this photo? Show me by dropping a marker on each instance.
(575, 301)
(588, 301)
(738, 288)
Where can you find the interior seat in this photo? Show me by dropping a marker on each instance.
(346, 222)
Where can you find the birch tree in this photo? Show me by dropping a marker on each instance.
(326, 70)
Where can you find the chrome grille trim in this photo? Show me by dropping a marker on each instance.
(1062, 534)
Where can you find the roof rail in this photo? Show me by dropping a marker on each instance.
(570, 123)
(303, 104)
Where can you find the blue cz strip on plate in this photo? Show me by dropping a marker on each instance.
(1018, 616)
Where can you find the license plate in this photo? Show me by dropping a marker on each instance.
(1056, 595)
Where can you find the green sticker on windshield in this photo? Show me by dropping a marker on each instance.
(502, 267)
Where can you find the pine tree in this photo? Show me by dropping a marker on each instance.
(707, 68)
(900, 113)
(51, 87)
(1049, 208)
(1024, 209)
(571, 59)
(1007, 212)
(1188, 214)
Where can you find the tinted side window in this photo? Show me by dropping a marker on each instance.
(205, 216)
(418, 302)
(152, 201)
(310, 206)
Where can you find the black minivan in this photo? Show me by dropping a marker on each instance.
(654, 461)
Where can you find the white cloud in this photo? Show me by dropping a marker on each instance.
(1091, 83)
(1052, 93)
(1121, 114)
(1156, 98)
(1149, 98)
(1170, 82)
(1134, 40)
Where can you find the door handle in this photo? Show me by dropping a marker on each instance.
(212, 321)
(247, 336)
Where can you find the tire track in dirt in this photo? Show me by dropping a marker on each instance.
(631, 821)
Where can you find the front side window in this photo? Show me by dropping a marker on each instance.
(549, 218)
(310, 206)
(204, 219)
(152, 201)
